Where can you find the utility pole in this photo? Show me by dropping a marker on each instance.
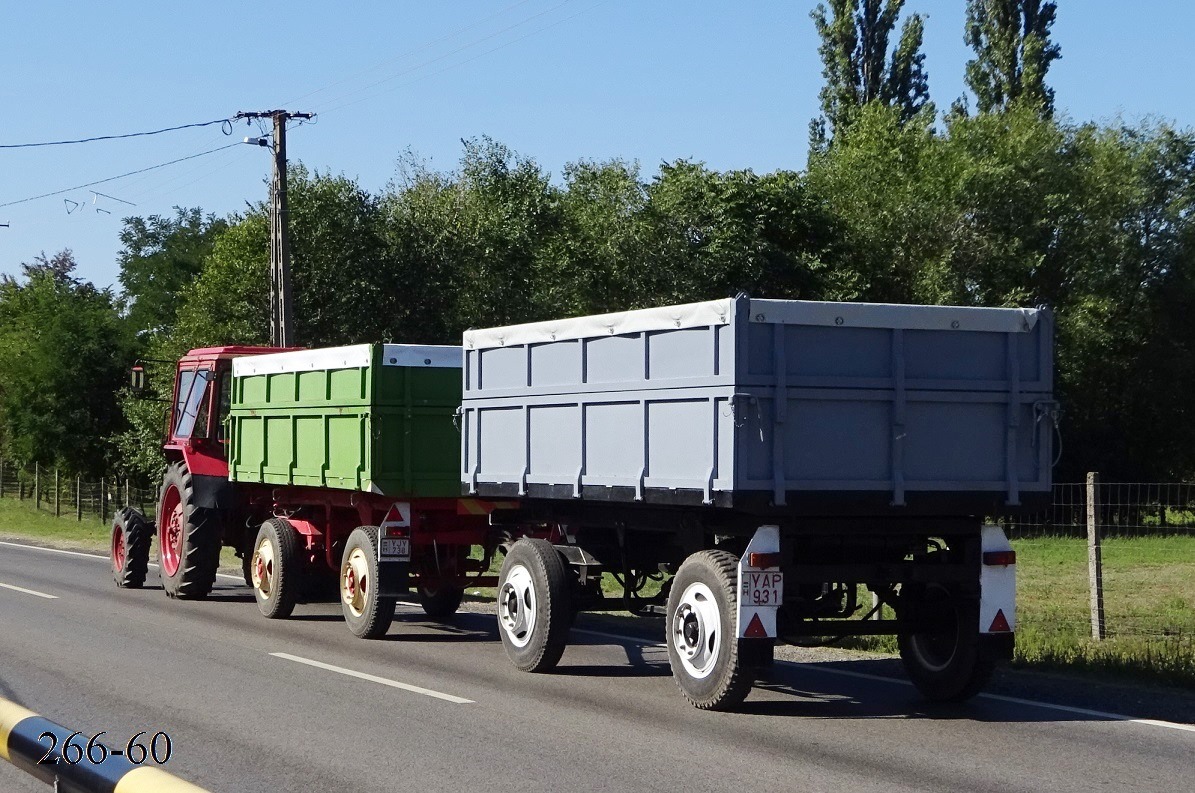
(282, 327)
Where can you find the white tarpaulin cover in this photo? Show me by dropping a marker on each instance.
(891, 315)
(352, 357)
(689, 315)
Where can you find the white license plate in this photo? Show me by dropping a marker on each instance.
(394, 548)
(762, 588)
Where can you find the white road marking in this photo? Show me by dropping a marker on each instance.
(53, 550)
(427, 692)
(1097, 714)
(33, 592)
(95, 556)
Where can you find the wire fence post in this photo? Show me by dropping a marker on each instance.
(1095, 567)
(1, 477)
(57, 495)
(128, 498)
(79, 498)
(36, 486)
(103, 501)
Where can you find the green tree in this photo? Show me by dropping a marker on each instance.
(64, 354)
(341, 276)
(468, 241)
(1013, 53)
(715, 234)
(159, 257)
(858, 67)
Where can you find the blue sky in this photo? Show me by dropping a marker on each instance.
(731, 84)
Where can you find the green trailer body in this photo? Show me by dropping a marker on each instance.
(371, 417)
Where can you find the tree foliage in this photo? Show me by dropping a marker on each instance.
(1013, 53)
(858, 67)
(159, 257)
(64, 351)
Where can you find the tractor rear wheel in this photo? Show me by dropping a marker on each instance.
(188, 537)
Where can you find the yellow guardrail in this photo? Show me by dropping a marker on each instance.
(78, 763)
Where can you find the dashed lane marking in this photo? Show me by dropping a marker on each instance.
(33, 592)
(340, 670)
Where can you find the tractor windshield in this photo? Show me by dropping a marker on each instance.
(190, 411)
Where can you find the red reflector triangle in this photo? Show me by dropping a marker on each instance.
(1000, 624)
(755, 628)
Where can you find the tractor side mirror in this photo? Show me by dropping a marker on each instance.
(137, 380)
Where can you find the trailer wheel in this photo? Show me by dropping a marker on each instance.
(188, 538)
(945, 667)
(702, 647)
(534, 608)
(129, 551)
(440, 602)
(276, 569)
(367, 613)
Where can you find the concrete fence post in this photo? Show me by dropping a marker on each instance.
(57, 495)
(1095, 565)
(1, 477)
(79, 498)
(103, 500)
(36, 486)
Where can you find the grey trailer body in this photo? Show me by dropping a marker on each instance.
(766, 461)
(767, 406)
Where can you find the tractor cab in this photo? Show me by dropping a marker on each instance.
(202, 395)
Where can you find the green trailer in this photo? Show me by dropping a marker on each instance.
(369, 417)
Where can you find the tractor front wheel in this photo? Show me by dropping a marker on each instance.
(129, 551)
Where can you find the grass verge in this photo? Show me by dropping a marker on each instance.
(20, 522)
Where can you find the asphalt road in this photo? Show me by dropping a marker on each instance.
(244, 715)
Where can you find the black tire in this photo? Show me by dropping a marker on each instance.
(129, 549)
(441, 602)
(534, 605)
(276, 569)
(945, 667)
(700, 631)
(367, 613)
(198, 546)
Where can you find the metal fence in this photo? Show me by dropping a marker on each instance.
(1111, 560)
(66, 496)
(1124, 509)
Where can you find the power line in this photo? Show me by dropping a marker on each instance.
(408, 53)
(117, 137)
(458, 64)
(122, 176)
(445, 56)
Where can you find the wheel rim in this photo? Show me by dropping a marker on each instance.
(516, 606)
(170, 544)
(118, 549)
(697, 630)
(935, 651)
(262, 569)
(355, 582)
